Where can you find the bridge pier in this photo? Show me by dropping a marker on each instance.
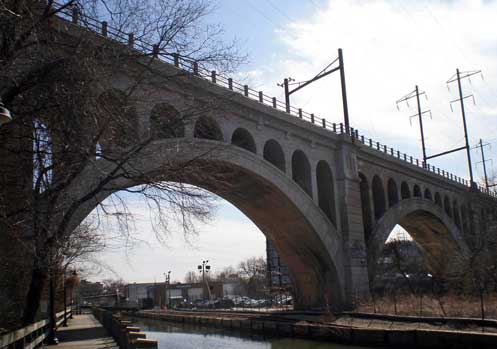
(349, 203)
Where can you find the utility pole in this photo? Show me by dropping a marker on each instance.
(287, 82)
(167, 283)
(344, 91)
(458, 77)
(483, 161)
(406, 98)
(204, 268)
(465, 126)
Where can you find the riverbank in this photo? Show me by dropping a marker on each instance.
(347, 329)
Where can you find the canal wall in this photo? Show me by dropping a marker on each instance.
(127, 337)
(392, 337)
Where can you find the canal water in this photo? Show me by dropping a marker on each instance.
(185, 336)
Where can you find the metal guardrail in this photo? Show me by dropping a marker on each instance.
(31, 336)
(190, 66)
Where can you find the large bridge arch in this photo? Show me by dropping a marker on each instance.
(427, 223)
(304, 236)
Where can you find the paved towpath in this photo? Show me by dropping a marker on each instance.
(83, 332)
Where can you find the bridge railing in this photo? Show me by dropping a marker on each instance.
(32, 335)
(417, 162)
(192, 67)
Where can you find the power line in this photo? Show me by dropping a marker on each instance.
(267, 18)
(281, 12)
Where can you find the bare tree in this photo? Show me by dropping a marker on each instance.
(192, 277)
(68, 122)
(253, 271)
(113, 286)
(227, 274)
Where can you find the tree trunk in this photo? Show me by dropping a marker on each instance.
(33, 297)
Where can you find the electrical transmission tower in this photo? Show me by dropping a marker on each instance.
(458, 76)
(287, 82)
(416, 94)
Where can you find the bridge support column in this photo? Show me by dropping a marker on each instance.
(477, 224)
(349, 203)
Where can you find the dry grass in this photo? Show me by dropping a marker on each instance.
(446, 306)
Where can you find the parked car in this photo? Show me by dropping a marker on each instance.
(224, 303)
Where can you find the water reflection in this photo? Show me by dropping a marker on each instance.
(186, 336)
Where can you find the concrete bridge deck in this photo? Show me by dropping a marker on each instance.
(83, 332)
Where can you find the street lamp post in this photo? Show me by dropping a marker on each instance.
(52, 334)
(204, 268)
(73, 282)
(166, 288)
(65, 299)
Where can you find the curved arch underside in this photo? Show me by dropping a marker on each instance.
(303, 236)
(438, 237)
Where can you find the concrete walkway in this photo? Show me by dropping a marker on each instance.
(83, 332)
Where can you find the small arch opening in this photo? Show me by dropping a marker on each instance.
(483, 221)
(393, 194)
(416, 191)
(166, 122)
(428, 194)
(464, 218)
(119, 118)
(379, 200)
(438, 200)
(274, 154)
(301, 171)
(447, 207)
(365, 206)
(326, 190)
(207, 128)
(457, 219)
(404, 191)
(243, 139)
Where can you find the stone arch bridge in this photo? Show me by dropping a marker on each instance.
(326, 197)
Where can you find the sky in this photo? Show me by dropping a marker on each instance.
(389, 47)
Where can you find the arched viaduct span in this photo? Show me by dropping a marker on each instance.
(325, 198)
(306, 238)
